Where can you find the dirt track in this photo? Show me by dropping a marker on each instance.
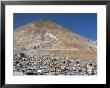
(82, 54)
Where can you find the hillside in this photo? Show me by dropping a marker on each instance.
(46, 48)
(45, 34)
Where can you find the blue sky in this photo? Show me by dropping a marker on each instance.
(84, 24)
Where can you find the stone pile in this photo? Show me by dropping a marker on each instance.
(32, 65)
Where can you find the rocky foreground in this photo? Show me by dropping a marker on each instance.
(53, 65)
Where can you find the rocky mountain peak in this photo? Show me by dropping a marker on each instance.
(45, 34)
(43, 45)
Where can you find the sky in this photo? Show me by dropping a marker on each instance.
(84, 24)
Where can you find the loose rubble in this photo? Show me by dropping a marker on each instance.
(32, 65)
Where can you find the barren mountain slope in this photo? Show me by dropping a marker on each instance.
(52, 39)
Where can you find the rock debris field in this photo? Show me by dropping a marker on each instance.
(45, 65)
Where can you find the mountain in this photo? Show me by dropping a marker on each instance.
(44, 37)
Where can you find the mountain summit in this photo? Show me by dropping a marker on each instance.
(46, 35)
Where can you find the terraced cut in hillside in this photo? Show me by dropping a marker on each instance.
(46, 48)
